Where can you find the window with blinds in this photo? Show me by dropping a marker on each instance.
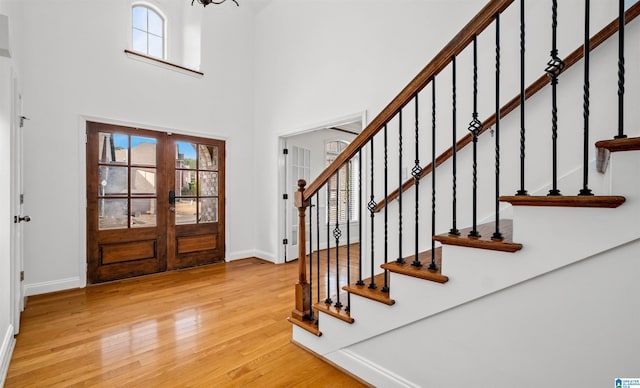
(343, 186)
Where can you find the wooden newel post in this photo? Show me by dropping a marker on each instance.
(303, 301)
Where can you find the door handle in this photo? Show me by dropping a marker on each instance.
(172, 197)
(17, 219)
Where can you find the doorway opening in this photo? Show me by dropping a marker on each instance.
(304, 155)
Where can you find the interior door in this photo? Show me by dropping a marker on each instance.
(126, 234)
(17, 207)
(299, 167)
(155, 201)
(196, 201)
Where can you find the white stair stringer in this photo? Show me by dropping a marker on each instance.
(552, 238)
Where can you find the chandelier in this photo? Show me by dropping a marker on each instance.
(207, 2)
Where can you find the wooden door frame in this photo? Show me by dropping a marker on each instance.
(81, 280)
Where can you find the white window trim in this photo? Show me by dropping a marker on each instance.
(165, 19)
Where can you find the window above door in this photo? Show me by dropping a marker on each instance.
(147, 31)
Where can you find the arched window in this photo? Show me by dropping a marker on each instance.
(343, 193)
(147, 29)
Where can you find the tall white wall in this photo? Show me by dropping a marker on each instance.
(321, 60)
(75, 68)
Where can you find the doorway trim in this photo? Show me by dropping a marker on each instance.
(282, 142)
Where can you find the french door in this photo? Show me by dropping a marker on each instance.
(155, 201)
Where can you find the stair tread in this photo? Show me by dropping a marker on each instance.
(421, 272)
(310, 326)
(485, 241)
(340, 313)
(600, 201)
(369, 293)
(624, 144)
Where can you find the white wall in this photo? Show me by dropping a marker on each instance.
(319, 60)
(78, 70)
(569, 328)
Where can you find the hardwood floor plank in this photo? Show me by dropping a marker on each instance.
(217, 325)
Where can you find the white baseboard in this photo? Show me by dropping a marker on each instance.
(6, 350)
(52, 286)
(370, 372)
(251, 253)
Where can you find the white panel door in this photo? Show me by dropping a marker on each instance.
(17, 206)
(298, 167)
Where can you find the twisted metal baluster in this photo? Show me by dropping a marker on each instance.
(360, 282)
(416, 172)
(497, 236)
(454, 147)
(553, 70)
(433, 266)
(585, 103)
(475, 126)
(522, 190)
(337, 233)
(621, 24)
(372, 209)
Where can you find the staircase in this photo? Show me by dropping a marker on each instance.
(535, 289)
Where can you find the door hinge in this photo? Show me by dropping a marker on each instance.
(285, 151)
(285, 241)
(285, 196)
(21, 199)
(22, 276)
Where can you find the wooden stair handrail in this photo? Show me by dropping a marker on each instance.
(481, 21)
(599, 38)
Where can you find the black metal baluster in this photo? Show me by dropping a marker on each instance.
(522, 190)
(311, 314)
(328, 250)
(497, 236)
(416, 172)
(433, 266)
(385, 287)
(553, 69)
(318, 244)
(475, 126)
(621, 24)
(372, 208)
(337, 234)
(454, 147)
(360, 282)
(400, 259)
(348, 188)
(585, 103)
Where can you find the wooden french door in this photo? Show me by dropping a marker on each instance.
(155, 201)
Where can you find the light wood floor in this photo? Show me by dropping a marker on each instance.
(219, 325)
